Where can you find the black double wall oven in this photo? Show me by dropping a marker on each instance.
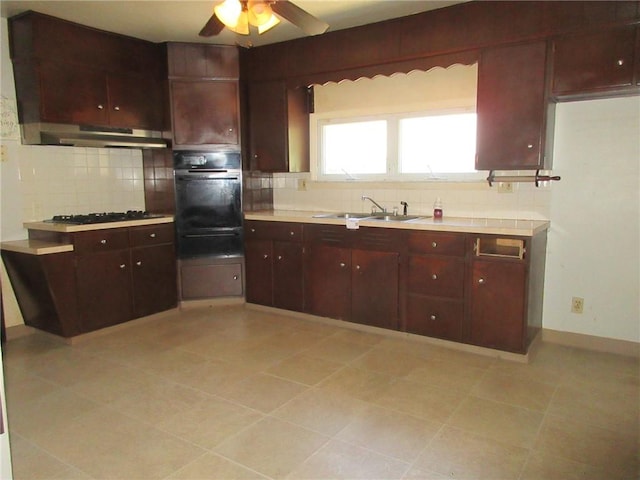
(208, 217)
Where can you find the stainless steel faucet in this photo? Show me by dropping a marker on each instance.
(382, 209)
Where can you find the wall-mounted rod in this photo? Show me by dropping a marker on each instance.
(537, 178)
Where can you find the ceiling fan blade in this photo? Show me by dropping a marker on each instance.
(299, 17)
(213, 27)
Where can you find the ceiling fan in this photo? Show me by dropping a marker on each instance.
(237, 15)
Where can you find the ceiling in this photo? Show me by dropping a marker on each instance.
(181, 20)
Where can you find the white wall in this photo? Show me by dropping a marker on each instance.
(594, 242)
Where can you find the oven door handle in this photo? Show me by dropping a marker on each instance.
(205, 235)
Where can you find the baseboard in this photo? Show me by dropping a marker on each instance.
(591, 342)
(211, 302)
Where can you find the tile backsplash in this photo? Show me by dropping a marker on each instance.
(460, 199)
(68, 180)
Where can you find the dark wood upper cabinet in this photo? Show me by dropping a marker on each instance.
(204, 96)
(595, 63)
(68, 73)
(512, 108)
(278, 127)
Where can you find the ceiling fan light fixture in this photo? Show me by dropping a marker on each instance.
(272, 22)
(259, 12)
(242, 25)
(229, 12)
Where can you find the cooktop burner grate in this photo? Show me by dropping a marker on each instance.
(88, 218)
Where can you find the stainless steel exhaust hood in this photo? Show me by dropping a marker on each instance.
(90, 136)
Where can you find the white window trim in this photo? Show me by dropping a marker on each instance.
(317, 120)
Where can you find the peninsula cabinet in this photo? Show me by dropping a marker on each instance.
(273, 263)
(204, 96)
(597, 63)
(512, 108)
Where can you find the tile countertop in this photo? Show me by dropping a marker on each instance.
(42, 247)
(491, 226)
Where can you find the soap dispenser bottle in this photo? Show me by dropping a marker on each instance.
(437, 209)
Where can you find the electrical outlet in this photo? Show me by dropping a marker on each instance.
(577, 304)
(505, 187)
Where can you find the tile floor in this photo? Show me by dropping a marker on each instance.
(231, 392)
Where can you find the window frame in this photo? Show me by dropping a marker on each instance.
(318, 120)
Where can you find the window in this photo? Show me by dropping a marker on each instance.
(420, 145)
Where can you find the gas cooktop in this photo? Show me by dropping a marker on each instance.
(89, 218)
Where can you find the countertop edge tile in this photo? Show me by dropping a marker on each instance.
(36, 247)
(66, 228)
(489, 226)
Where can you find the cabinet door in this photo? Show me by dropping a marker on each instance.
(104, 289)
(258, 256)
(593, 62)
(497, 308)
(73, 94)
(287, 276)
(205, 112)
(154, 279)
(268, 127)
(327, 281)
(374, 288)
(512, 107)
(135, 102)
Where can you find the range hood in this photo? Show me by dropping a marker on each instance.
(90, 136)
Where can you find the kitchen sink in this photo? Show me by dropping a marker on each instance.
(393, 218)
(344, 215)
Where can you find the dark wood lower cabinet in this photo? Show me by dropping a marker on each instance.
(154, 279)
(498, 305)
(474, 289)
(374, 288)
(327, 281)
(104, 289)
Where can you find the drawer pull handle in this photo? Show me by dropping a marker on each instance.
(357, 267)
(434, 244)
(103, 241)
(291, 233)
(152, 235)
(481, 281)
(122, 266)
(235, 277)
(139, 263)
(253, 230)
(434, 276)
(620, 62)
(433, 317)
(342, 264)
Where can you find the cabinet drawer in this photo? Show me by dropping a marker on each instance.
(440, 277)
(291, 232)
(435, 317)
(436, 243)
(335, 235)
(152, 235)
(210, 281)
(101, 240)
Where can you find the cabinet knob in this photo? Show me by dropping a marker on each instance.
(152, 235)
(100, 107)
(291, 233)
(481, 281)
(530, 146)
(265, 256)
(433, 317)
(434, 244)
(253, 230)
(357, 267)
(103, 241)
(116, 108)
(279, 257)
(434, 277)
(139, 263)
(230, 130)
(122, 266)
(342, 264)
(235, 277)
(620, 62)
